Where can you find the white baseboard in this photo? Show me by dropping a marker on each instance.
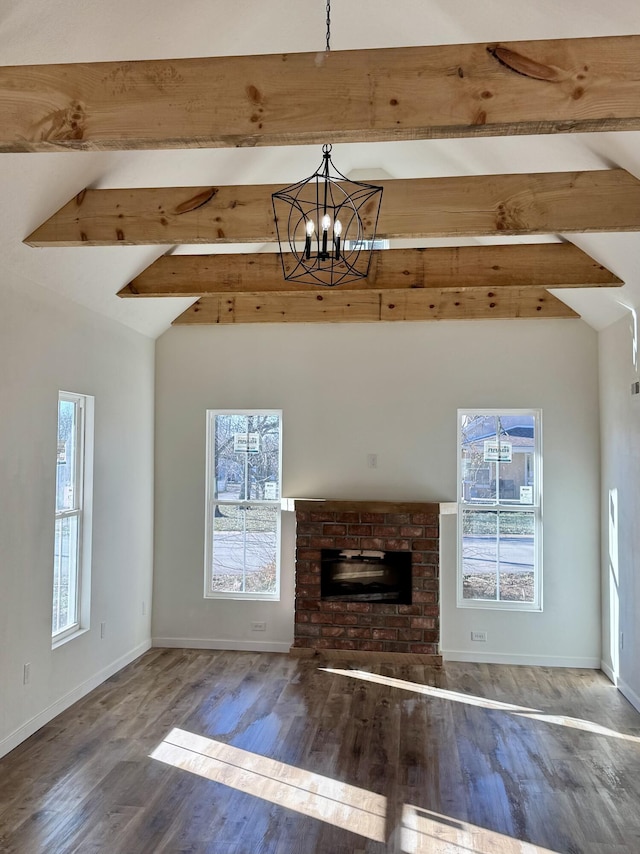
(530, 660)
(23, 732)
(631, 695)
(608, 672)
(219, 643)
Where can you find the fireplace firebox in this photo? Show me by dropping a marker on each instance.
(365, 575)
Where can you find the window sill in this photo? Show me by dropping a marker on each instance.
(530, 608)
(58, 643)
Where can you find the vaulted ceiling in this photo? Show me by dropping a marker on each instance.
(481, 225)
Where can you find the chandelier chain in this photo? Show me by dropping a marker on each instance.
(328, 25)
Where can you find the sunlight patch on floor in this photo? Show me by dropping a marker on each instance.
(348, 807)
(482, 702)
(426, 832)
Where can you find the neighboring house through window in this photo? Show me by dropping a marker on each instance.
(72, 542)
(242, 537)
(499, 509)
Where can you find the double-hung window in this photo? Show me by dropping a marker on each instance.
(499, 509)
(242, 536)
(72, 540)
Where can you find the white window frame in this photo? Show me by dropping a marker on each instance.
(503, 507)
(82, 511)
(211, 501)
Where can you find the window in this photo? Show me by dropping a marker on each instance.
(242, 538)
(499, 509)
(72, 542)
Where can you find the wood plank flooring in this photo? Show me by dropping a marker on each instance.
(252, 753)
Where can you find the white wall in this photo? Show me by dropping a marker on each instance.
(393, 390)
(620, 429)
(48, 343)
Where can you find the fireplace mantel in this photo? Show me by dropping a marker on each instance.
(384, 632)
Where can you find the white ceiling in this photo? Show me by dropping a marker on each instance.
(34, 186)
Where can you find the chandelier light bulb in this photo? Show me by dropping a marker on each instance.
(337, 228)
(326, 222)
(310, 228)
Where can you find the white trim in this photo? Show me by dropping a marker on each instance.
(608, 672)
(35, 723)
(222, 643)
(629, 694)
(531, 660)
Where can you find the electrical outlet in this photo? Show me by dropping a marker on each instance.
(258, 627)
(103, 630)
(26, 674)
(372, 461)
(479, 636)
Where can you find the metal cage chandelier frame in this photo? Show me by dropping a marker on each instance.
(326, 225)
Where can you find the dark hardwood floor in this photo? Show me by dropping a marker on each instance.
(250, 753)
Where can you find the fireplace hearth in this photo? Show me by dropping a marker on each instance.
(367, 579)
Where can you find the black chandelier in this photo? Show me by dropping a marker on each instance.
(326, 224)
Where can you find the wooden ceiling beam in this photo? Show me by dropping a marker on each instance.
(489, 89)
(375, 306)
(537, 203)
(555, 265)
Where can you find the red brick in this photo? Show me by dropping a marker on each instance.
(397, 622)
(309, 528)
(359, 607)
(332, 631)
(424, 648)
(322, 516)
(302, 515)
(370, 646)
(325, 643)
(385, 609)
(349, 517)
(346, 619)
(415, 610)
(360, 530)
(303, 643)
(412, 635)
(329, 529)
(397, 545)
(323, 619)
(422, 622)
(306, 578)
(360, 633)
(421, 571)
(372, 543)
(308, 554)
(386, 530)
(322, 543)
(347, 543)
(307, 630)
(426, 558)
(397, 518)
(334, 606)
(384, 634)
(307, 604)
(302, 542)
(431, 610)
(372, 518)
(431, 637)
(424, 545)
(395, 646)
(345, 644)
(308, 592)
(432, 532)
(302, 616)
(424, 519)
(422, 596)
(412, 531)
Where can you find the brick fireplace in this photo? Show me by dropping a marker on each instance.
(368, 628)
